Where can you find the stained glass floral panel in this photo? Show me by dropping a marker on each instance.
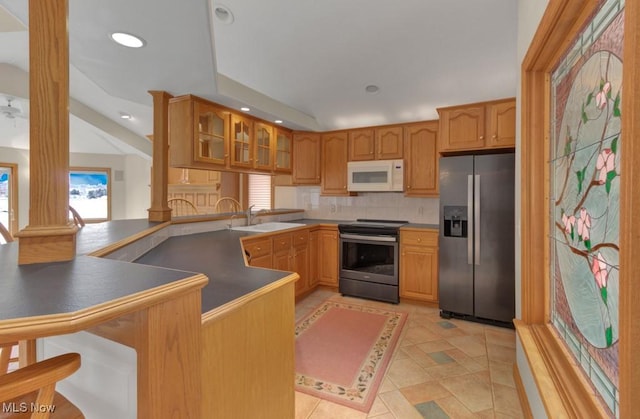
(584, 202)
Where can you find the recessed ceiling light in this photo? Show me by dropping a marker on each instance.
(278, 121)
(372, 88)
(124, 115)
(245, 109)
(223, 14)
(127, 40)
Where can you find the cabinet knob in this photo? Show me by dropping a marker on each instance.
(258, 248)
(419, 240)
(494, 136)
(371, 152)
(482, 137)
(408, 186)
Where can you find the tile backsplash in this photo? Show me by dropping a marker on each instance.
(378, 205)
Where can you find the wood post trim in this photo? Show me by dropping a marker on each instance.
(159, 210)
(49, 237)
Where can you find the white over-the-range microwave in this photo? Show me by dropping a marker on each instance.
(375, 176)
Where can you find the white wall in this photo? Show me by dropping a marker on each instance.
(529, 14)
(137, 179)
(130, 198)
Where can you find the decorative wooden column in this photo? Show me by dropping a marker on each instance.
(49, 237)
(159, 210)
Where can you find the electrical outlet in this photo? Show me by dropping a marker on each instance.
(333, 209)
(421, 211)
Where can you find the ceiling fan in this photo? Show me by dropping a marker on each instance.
(9, 111)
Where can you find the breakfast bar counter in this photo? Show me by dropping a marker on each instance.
(218, 255)
(51, 299)
(244, 316)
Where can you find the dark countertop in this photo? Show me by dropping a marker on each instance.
(49, 288)
(64, 287)
(417, 225)
(92, 237)
(218, 255)
(310, 221)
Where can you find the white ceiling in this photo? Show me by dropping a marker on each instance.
(304, 61)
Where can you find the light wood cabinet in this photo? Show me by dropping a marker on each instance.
(382, 143)
(334, 163)
(478, 126)
(259, 252)
(283, 151)
(328, 256)
(198, 133)
(361, 144)
(240, 142)
(314, 257)
(263, 146)
(311, 252)
(203, 135)
(282, 252)
(421, 159)
(301, 259)
(306, 158)
(502, 124)
(419, 264)
(291, 253)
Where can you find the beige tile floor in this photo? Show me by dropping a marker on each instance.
(440, 369)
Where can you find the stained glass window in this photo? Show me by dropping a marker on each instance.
(586, 89)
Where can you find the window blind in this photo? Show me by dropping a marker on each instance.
(260, 191)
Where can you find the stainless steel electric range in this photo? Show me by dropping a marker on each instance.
(369, 262)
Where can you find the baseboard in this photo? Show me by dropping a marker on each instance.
(522, 394)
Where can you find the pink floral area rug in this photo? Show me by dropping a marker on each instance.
(343, 350)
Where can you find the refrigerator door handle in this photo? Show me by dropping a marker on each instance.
(471, 220)
(476, 218)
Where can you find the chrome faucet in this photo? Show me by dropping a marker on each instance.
(249, 215)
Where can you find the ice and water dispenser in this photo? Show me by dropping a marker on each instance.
(455, 221)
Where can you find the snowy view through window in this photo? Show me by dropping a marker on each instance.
(89, 194)
(4, 199)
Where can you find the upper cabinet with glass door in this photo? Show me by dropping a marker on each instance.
(263, 155)
(198, 133)
(205, 135)
(283, 151)
(213, 131)
(241, 150)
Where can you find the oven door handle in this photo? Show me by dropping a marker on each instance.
(368, 238)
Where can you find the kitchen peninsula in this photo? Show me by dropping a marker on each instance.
(243, 320)
(50, 299)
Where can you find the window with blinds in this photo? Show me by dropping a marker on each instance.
(260, 191)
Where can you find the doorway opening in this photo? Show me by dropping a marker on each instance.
(9, 196)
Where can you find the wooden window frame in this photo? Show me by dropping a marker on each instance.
(13, 205)
(106, 170)
(563, 389)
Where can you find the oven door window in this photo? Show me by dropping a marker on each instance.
(369, 261)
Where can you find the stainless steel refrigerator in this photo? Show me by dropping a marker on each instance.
(476, 250)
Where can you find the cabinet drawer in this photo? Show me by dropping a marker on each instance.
(419, 237)
(300, 238)
(257, 248)
(281, 242)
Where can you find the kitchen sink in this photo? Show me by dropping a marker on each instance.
(267, 227)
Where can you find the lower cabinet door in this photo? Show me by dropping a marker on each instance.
(419, 272)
